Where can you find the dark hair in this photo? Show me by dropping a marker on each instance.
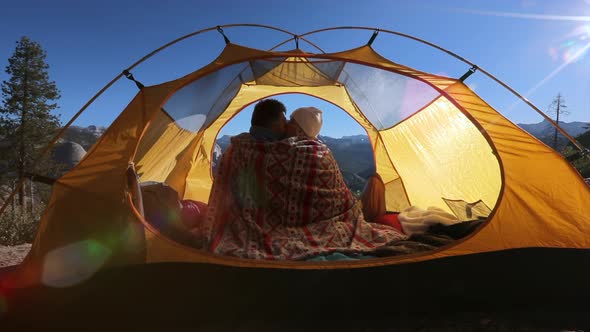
(266, 112)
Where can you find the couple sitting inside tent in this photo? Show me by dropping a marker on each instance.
(279, 194)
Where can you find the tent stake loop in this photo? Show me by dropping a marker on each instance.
(131, 78)
(220, 30)
(468, 73)
(375, 33)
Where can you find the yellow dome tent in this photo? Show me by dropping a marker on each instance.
(434, 139)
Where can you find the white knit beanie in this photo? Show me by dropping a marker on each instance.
(309, 119)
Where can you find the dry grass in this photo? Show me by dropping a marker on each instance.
(18, 227)
(13, 255)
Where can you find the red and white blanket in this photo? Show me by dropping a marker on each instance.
(286, 200)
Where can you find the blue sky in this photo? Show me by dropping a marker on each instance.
(537, 47)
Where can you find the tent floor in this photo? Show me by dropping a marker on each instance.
(524, 289)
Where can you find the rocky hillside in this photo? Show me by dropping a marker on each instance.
(68, 153)
(85, 136)
(353, 153)
(545, 131)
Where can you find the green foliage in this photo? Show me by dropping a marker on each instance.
(581, 164)
(353, 181)
(26, 121)
(25, 118)
(18, 226)
(584, 139)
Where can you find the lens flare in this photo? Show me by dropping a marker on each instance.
(94, 250)
(553, 53)
(572, 49)
(74, 263)
(543, 17)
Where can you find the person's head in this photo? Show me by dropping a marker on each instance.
(305, 121)
(270, 114)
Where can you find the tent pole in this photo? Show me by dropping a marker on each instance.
(51, 143)
(506, 86)
(296, 37)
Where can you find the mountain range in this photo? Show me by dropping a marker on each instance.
(353, 153)
(85, 136)
(545, 131)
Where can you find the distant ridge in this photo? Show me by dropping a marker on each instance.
(85, 136)
(573, 128)
(353, 153)
(545, 131)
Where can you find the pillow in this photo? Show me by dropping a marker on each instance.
(163, 209)
(390, 219)
(193, 213)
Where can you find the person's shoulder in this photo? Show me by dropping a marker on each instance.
(241, 139)
(306, 142)
(242, 136)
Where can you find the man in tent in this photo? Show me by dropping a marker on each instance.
(286, 199)
(268, 120)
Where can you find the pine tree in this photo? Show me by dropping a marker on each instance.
(26, 121)
(557, 108)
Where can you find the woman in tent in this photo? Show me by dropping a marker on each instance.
(307, 122)
(287, 200)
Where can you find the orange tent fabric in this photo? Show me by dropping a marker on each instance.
(433, 139)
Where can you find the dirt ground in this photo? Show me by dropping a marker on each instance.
(13, 255)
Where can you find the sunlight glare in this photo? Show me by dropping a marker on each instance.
(573, 48)
(570, 58)
(525, 15)
(570, 51)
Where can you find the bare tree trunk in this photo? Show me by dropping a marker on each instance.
(556, 121)
(32, 195)
(13, 203)
(21, 174)
(22, 150)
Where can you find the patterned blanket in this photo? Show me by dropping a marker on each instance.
(286, 200)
